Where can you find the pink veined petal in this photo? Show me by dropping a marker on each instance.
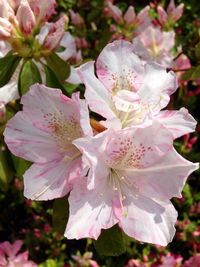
(165, 179)
(130, 16)
(90, 211)
(118, 68)
(91, 158)
(68, 42)
(97, 96)
(155, 91)
(162, 15)
(148, 220)
(84, 114)
(27, 141)
(51, 180)
(179, 122)
(48, 124)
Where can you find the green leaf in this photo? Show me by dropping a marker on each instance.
(60, 214)
(5, 172)
(8, 64)
(29, 75)
(51, 78)
(60, 67)
(111, 242)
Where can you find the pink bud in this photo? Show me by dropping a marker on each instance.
(114, 12)
(43, 9)
(76, 19)
(25, 17)
(177, 13)
(162, 15)
(129, 16)
(56, 33)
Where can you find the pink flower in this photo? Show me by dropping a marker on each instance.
(154, 45)
(85, 260)
(10, 256)
(172, 15)
(132, 175)
(130, 93)
(138, 22)
(43, 133)
(171, 260)
(76, 19)
(193, 261)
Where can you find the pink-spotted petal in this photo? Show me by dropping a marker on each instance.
(179, 122)
(52, 180)
(90, 211)
(137, 147)
(118, 68)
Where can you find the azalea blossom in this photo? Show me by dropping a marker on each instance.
(172, 14)
(10, 256)
(130, 23)
(155, 45)
(43, 133)
(132, 175)
(128, 92)
(28, 24)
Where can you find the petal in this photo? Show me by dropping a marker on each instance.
(158, 85)
(148, 220)
(165, 179)
(11, 249)
(118, 68)
(97, 96)
(90, 148)
(179, 122)
(90, 211)
(27, 141)
(67, 42)
(48, 124)
(137, 147)
(162, 15)
(25, 17)
(74, 77)
(51, 180)
(130, 16)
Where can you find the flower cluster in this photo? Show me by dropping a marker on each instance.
(121, 169)
(10, 256)
(28, 40)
